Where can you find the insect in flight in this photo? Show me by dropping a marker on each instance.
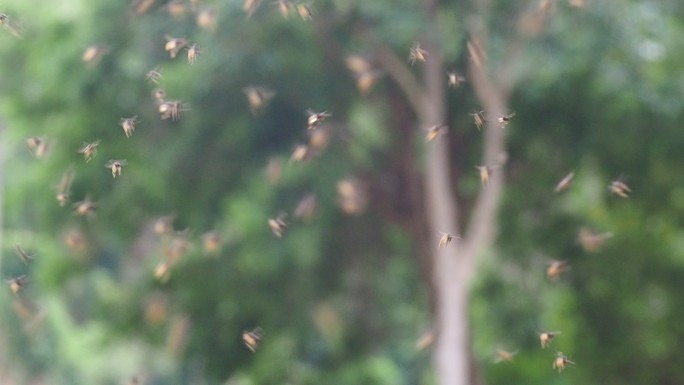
(620, 188)
(9, 25)
(561, 361)
(252, 338)
(417, 54)
(316, 118)
(89, 150)
(446, 239)
(479, 119)
(23, 255)
(128, 125)
(116, 165)
(193, 53)
(434, 132)
(555, 268)
(17, 284)
(545, 338)
(174, 45)
(454, 79)
(565, 183)
(278, 225)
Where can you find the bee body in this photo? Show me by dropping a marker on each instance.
(23, 255)
(128, 125)
(252, 339)
(417, 54)
(555, 268)
(85, 207)
(316, 118)
(116, 165)
(561, 362)
(174, 45)
(479, 119)
(446, 239)
(89, 150)
(278, 225)
(454, 79)
(565, 183)
(619, 188)
(17, 284)
(193, 53)
(545, 338)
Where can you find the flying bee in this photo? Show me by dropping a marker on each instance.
(555, 268)
(306, 207)
(565, 183)
(37, 146)
(274, 170)
(193, 53)
(249, 6)
(178, 246)
(316, 118)
(485, 172)
(446, 239)
(171, 109)
(417, 54)
(435, 131)
(366, 80)
(163, 225)
(301, 153)
(454, 79)
(426, 339)
(141, 6)
(545, 338)
(23, 255)
(620, 188)
(176, 8)
(116, 165)
(17, 284)
(159, 95)
(85, 207)
(162, 271)
(64, 187)
(174, 45)
(305, 11)
(284, 7)
(252, 338)
(207, 19)
(75, 240)
(352, 196)
(94, 53)
(257, 97)
(154, 75)
(505, 119)
(504, 356)
(128, 125)
(211, 241)
(319, 138)
(561, 362)
(278, 225)
(9, 26)
(479, 118)
(89, 150)
(592, 241)
(477, 53)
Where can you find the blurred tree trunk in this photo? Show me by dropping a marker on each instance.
(455, 265)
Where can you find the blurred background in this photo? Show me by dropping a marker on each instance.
(234, 213)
